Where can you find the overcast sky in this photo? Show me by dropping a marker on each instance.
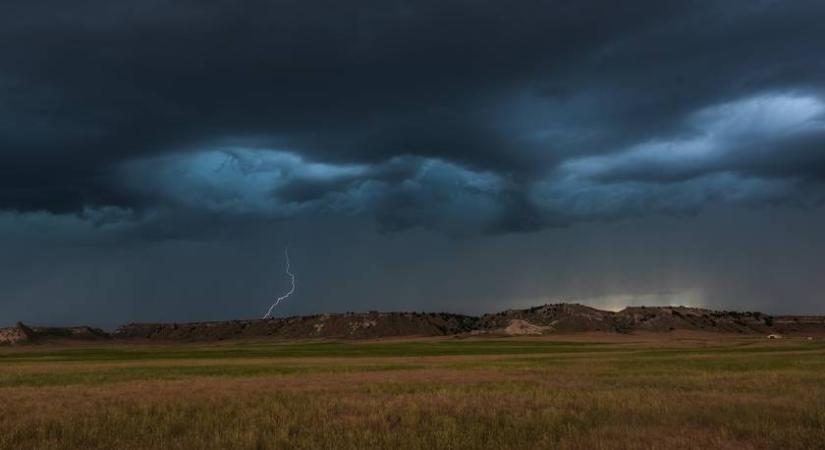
(465, 156)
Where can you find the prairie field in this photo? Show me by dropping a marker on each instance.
(599, 392)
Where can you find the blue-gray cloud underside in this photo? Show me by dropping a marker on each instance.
(483, 119)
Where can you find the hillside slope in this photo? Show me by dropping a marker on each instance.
(21, 333)
(349, 325)
(539, 320)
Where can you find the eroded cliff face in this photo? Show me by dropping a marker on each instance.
(21, 334)
(17, 334)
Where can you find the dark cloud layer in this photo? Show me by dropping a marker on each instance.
(153, 121)
(515, 90)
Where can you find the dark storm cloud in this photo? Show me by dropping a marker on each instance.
(155, 156)
(553, 105)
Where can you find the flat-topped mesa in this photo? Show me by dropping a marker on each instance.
(347, 325)
(79, 333)
(666, 318)
(538, 320)
(565, 317)
(21, 333)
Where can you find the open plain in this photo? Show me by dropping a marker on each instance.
(584, 391)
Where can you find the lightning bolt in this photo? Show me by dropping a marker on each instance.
(291, 290)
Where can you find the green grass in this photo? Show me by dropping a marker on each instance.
(446, 394)
(121, 374)
(298, 350)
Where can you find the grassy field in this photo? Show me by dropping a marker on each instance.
(418, 394)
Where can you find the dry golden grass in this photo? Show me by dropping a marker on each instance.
(519, 394)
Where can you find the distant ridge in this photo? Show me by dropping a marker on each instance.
(539, 320)
(21, 333)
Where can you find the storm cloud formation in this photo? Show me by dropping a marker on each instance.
(155, 122)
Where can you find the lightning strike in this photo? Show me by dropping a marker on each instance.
(291, 290)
